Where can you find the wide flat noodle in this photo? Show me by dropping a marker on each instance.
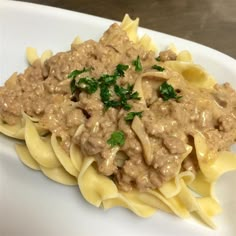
(59, 175)
(12, 81)
(173, 187)
(95, 187)
(176, 206)
(63, 157)
(14, 131)
(31, 55)
(131, 27)
(25, 157)
(76, 157)
(193, 73)
(201, 186)
(45, 56)
(77, 40)
(213, 165)
(184, 56)
(40, 149)
(192, 205)
(147, 43)
(139, 203)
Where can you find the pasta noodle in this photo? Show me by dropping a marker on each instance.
(53, 149)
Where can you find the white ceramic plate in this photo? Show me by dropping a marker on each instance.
(30, 204)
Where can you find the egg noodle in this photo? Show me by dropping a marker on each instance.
(187, 194)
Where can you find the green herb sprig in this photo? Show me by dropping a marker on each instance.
(137, 64)
(130, 116)
(117, 139)
(168, 92)
(105, 83)
(159, 68)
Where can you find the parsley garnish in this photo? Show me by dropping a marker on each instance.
(73, 75)
(126, 94)
(73, 85)
(158, 58)
(90, 85)
(167, 92)
(159, 68)
(87, 84)
(130, 116)
(107, 80)
(104, 93)
(117, 138)
(120, 69)
(137, 64)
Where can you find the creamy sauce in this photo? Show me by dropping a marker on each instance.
(43, 91)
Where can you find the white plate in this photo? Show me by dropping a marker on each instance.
(30, 204)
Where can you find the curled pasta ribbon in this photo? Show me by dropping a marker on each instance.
(63, 157)
(17, 131)
(23, 152)
(14, 131)
(95, 187)
(131, 27)
(32, 55)
(77, 40)
(12, 81)
(59, 175)
(213, 165)
(40, 149)
(173, 187)
(142, 204)
(205, 208)
(193, 73)
(173, 48)
(201, 185)
(147, 43)
(45, 56)
(76, 157)
(185, 56)
(174, 204)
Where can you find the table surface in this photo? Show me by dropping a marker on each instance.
(209, 22)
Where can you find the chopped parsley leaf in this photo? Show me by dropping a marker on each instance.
(126, 94)
(167, 92)
(74, 74)
(104, 93)
(137, 64)
(159, 68)
(89, 85)
(117, 138)
(158, 58)
(130, 116)
(107, 80)
(73, 85)
(120, 69)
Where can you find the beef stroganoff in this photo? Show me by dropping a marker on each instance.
(132, 127)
